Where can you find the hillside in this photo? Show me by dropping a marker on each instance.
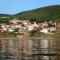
(4, 18)
(4, 15)
(41, 14)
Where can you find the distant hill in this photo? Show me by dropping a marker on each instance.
(41, 14)
(4, 15)
(4, 18)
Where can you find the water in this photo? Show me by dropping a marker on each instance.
(23, 48)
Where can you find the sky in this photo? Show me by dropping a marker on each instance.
(16, 6)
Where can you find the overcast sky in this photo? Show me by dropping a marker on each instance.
(16, 6)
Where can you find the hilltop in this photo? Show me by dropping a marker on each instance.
(41, 14)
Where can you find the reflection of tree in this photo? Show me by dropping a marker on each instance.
(57, 38)
(0, 49)
(9, 48)
(35, 49)
(0, 45)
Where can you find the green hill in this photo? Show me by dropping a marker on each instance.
(4, 15)
(41, 14)
(4, 18)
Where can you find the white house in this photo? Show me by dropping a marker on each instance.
(44, 30)
(10, 30)
(30, 27)
(35, 24)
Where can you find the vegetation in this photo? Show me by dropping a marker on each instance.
(41, 14)
(4, 15)
(4, 18)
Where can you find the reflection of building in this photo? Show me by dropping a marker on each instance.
(37, 48)
(8, 48)
(26, 48)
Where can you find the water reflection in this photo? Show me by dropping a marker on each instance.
(28, 49)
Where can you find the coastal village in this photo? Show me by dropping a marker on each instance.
(22, 26)
(26, 47)
(29, 30)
